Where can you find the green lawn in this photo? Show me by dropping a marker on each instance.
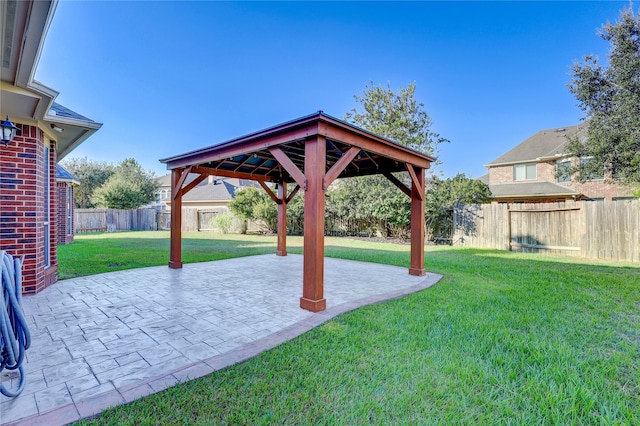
(503, 338)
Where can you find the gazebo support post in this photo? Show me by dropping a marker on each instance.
(417, 221)
(175, 258)
(282, 219)
(313, 279)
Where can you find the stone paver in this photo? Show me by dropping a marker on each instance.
(105, 339)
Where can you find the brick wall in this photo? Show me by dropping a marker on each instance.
(500, 174)
(599, 189)
(64, 232)
(22, 217)
(546, 172)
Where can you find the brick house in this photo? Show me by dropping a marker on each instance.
(47, 131)
(65, 184)
(529, 172)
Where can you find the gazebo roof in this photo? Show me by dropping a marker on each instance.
(252, 156)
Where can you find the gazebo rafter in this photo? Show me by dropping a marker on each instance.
(312, 152)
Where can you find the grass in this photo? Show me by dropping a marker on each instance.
(505, 338)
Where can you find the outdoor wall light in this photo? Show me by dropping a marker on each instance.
(8, 131)
(57, 129)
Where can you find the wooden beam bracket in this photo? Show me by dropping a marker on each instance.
(339, 166)
(414, 179)
(394, 180)
(289, 166)
(270, 192)
(293, 193)
(183, 177)
(194, 183)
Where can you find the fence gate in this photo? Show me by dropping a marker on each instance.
(544, 228)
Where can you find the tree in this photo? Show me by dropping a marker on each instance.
(395, 116)
(443, 196)
(129, 187)
(609, 96)
(255, 204)
(91, 174)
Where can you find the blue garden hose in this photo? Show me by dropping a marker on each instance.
(14, 334)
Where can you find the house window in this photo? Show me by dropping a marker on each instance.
(46, 188)
(525, 172)
(69, 210)
(563, 171)
(592, 175)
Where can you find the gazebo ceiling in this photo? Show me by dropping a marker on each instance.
(253, 156)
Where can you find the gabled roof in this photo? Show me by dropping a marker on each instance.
(220, 191)
(215, 189)
(530, 189)
(544, 145)
(484, 179)
(63, 175)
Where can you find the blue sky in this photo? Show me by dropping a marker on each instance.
(169, 77)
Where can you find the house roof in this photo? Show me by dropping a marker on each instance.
(484, 179)
(215, 189)
(220, 191)
(62, 111)
(546, 144)
(63, 175)
(24, 27)
(530, 189)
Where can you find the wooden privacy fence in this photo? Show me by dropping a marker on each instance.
(603, 229)
(113, 220)
(196, 219)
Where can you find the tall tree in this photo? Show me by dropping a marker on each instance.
(396, 116)
(609, 96)
(443, 195)
(129, 187)
(91, 175)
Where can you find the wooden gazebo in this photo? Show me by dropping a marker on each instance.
(310, 152)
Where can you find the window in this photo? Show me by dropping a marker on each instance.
(563, 171)
(590, 175)
(46, 189)
(69, 210)
(525, 172)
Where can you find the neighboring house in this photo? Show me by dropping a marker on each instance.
(529, 172)
(65, 184)
(213, 193)
(47, 131)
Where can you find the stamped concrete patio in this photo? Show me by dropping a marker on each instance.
(109, 339)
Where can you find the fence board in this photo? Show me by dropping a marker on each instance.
(114, 220)
(604, 230)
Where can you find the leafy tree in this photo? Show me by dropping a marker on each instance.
(396, 116)
(91, 174)
(255, 204)
(609, 96)
(443, 195)
(129, 187)
(399, 117)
